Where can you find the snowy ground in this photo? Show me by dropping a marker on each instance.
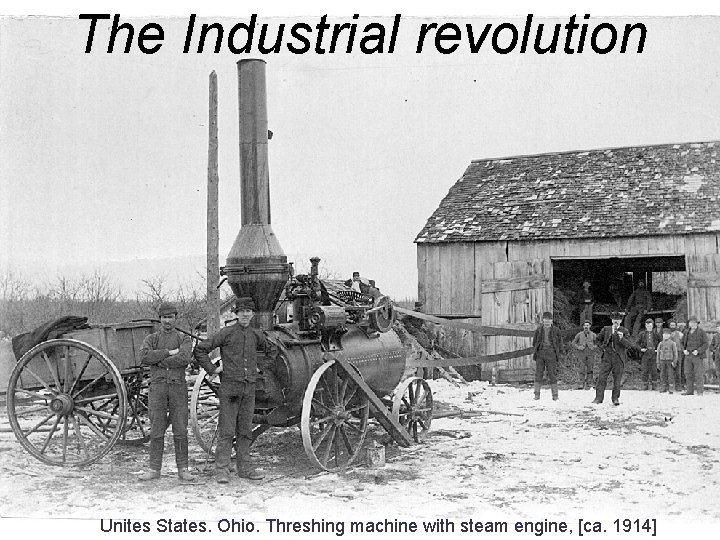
(655, 456)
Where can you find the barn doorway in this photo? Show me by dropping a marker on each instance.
(612, 281)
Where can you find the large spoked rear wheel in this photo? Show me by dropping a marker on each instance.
(334, 418)
(66, 402)
(413, 407)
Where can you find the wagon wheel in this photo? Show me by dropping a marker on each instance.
(413, 407)
(66, 402)
(137, 425)
(205, 413)
(334, 418)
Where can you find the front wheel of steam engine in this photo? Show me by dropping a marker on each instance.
(334, 418)
(413, 407)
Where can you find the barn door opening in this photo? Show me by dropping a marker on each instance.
(704, 286)
(514, 295)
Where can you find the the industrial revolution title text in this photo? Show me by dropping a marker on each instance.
(580, 34)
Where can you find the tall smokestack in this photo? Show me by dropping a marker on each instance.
(256, 265)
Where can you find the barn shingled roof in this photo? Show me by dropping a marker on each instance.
(633, 191)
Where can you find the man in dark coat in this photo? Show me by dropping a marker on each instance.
(167, 352)
(548, 346)
(614, 344)
(648, 341)
(695, 345)
(238, 344)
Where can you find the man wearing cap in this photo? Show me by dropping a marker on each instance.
(677, 335)
(238, 344)
(638, 304)
(667, 356)
(167, 352)
(584, 344)
(695, 345)
(614, 345)
(659, 324)
(647, 341)
(548, 346)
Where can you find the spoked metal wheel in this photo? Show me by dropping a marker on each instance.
(66, 402)
(413, 407)
(334, 418)
(137, 426)
(205, 411)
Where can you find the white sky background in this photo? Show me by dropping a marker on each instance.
(104, 156)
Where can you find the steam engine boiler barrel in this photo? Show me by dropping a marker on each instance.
(379, 359)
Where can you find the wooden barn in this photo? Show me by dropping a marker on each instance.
(512, 229)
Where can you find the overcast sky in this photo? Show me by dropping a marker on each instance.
(104, 156)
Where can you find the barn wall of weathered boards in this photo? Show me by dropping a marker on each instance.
(487, 253)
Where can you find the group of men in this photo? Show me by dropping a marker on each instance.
(168, 354)
(671, 351)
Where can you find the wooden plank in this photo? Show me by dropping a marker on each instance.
(704, 279)
(422, 272)
(477, 278)
(446, 271)
(515, 283)
(432, 291)
(429, 361)
(507, 330)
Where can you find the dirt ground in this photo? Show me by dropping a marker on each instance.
(506, 456)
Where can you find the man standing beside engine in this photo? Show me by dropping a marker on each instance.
(238, 373)
(167, 352)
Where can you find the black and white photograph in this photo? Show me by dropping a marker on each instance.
(367, 271)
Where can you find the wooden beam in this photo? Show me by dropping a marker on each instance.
(213, 242)
(428, 361)
(515, 283)
(484, 330)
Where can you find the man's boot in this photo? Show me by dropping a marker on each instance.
(537, 390)
(157, 445)
(248, 471)
(554, 390)
(181, 459)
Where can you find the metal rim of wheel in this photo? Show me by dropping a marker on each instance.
(413, 407)
(334, 418)
(205, 411)
(66, 402)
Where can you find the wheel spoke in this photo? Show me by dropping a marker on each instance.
(334, 372)
(211, 419)
(80, 438)
(31, 410)
(65, 439)
(343, 389)
(411, 394)
(322, 436)
(49, 435)
(321, 405)
(52, 370)
(322, 420)
(353, 426)
(80, 374)
(358, 408)
(108, 397)
(26, 367)
(99, 414)
(329, 446)
(406, 402)
(90, 384)
(346, 440)
(31, 393)
(324, 383)
(352, 395)
(40, 424)
(92, 426)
